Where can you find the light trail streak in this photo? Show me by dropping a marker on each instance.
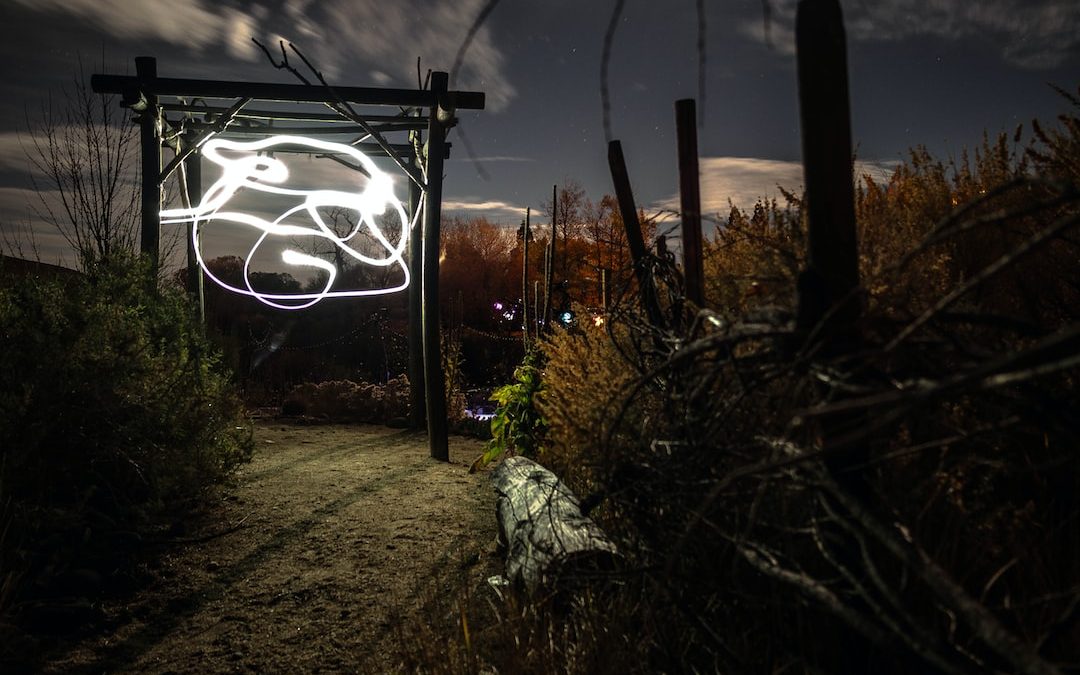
(251, 171)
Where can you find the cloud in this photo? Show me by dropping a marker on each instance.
(1032, 34)
(180, 22)
(384, 38)
(491, 209)
(239, 29)
(744, 180)
(388, 36)
(13, 149)
(24, 234)
(492, 158)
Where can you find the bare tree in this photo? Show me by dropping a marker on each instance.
(81, 152)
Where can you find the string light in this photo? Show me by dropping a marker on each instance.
(252, 171)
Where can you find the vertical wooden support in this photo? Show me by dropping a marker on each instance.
(605, 288)
(193, 185)
(536, 306)
(549, 269)
(625, 196)
(434, 378)
(690, 200)
(828, 307)
(525, 279)
(832, 272)
(417, 400)
(150, 142)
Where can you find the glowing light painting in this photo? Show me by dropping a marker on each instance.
(246, 169)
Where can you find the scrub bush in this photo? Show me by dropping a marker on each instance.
(113, 418)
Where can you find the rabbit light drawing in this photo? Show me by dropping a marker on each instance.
(245, 169)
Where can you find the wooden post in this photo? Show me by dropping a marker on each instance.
(525, 279)
(417, 402)
(434, 378)
(150, 143)
(690, 200)
(605, 288)
(545, 318)
(193, 185)
(625, 196)
(832, 272)
(549, 270)
(536, 306)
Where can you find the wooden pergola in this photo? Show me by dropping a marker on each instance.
(201, 109)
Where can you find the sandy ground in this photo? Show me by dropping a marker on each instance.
(331, 537)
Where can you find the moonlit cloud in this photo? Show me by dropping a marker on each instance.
(181, 22)
(239, 28)
(1032, 34)
(745, 180)
(13, 149)
(491, 209)
(385, 38)
(492, 158)
(22, 231)
(388, 37)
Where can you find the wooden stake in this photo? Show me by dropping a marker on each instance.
(525, 279)
(832, 272)
(625, 196)
(690, 200)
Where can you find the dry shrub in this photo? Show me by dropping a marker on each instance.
(464, 626)
(909, 506)
(753, 260)
(585, 380)
(347, 401)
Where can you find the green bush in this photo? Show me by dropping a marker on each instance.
(518, 425)
(113, 413)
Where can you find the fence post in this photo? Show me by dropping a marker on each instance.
(827, 286)
(525, 279)
(828, 305)
(549, 259)
(625, 196)
(690, 200)
(605, 289)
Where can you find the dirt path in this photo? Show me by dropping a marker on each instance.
(339, 531)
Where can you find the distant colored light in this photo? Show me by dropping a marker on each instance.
(598, 321)
(498, 306)
(251, 171)
(566, 317)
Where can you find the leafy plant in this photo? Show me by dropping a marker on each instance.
(518, 425)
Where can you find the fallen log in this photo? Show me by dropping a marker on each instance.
(549, 544)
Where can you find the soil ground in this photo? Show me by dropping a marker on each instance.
(312, 562)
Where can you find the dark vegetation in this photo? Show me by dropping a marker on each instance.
(115, 423)
(898, 498)
(906, 502)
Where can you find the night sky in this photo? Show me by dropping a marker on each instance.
(931, 72)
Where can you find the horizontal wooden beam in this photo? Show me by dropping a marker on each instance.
(328, 117)
(267, 91)
(266, 130)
